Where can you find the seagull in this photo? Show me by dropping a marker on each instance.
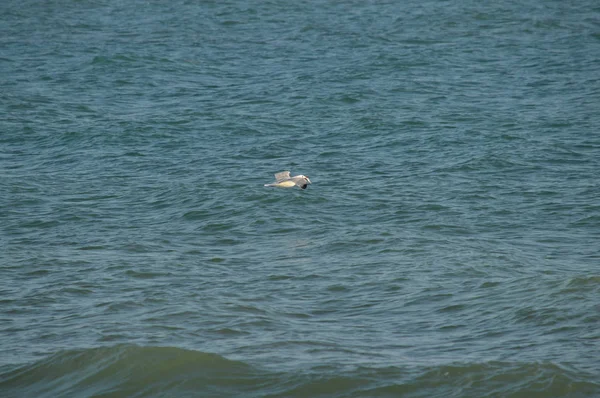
(283, 180)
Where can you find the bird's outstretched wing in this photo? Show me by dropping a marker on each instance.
(283, 175)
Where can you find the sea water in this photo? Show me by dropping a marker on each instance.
(449, 245)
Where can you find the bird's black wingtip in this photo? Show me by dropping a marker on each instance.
(304, 186)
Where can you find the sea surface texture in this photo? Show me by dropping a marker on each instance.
(449, 245)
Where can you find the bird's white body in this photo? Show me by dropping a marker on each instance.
(283, 180)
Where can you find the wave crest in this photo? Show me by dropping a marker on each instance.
(125, 370)
(132, 371)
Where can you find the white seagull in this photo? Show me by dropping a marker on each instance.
(283, 180)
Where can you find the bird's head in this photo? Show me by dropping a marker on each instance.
(306, 178)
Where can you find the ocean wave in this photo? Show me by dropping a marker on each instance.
(126, 370)
(133, 371)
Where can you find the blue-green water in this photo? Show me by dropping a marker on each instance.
(449, 245)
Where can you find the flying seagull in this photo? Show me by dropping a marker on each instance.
(283, 180)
